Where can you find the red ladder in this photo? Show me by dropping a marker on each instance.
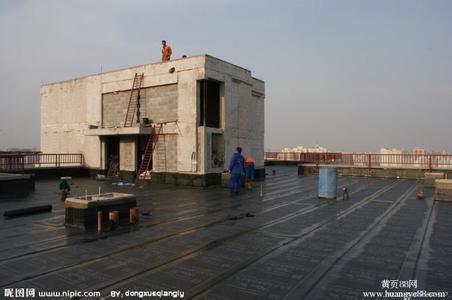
(134, 98)
(148, 153)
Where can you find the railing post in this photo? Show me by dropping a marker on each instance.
(370, 161)
(56, 160)
(430, 162)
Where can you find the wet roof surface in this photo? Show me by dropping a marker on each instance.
(200, 241)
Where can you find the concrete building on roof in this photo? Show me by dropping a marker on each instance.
(207, 107)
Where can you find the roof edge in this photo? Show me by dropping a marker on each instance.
(149, 64)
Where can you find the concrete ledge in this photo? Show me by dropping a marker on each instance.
(373, 172)
(16, 185)
(430, 177)
(80, 213)
(167, 178)
(135, 130)
(54, 173)
(93, 201)
(187, 179)
(443, 190)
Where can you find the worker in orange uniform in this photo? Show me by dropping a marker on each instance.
(166, 51)
(249, 172)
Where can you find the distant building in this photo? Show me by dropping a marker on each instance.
(390, 157)
(390, 151)
(420, 151)
(302, 149)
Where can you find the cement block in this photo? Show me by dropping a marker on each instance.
(16, 185)
(81, 212)
(443, 189)
(430, 177)
(98, 200)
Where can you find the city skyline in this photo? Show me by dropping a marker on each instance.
(381, 150)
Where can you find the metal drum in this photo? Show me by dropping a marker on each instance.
(327, 183)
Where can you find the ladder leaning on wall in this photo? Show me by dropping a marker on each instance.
(134, 100)
(143, 171)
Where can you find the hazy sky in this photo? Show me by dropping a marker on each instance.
(349, 75)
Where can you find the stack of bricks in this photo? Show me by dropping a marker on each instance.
(159, 104)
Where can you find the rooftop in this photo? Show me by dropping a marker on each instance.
(202, 242)
(151, 64)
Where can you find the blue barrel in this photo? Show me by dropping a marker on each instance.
(327, 183)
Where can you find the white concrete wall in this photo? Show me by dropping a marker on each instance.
(66, 110)
(242, 109)
(158, 103)
(165, 159)
(187, 143)
(127, 153)
(68, 107)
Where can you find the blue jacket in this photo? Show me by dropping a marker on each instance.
(236, 165)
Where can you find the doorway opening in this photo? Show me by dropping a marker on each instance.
(112, 155)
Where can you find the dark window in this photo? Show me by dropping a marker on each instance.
(209, 92)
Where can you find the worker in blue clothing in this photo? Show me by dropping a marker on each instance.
(237, 170)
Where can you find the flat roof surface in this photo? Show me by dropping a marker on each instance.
(201, 241)
(149, 64)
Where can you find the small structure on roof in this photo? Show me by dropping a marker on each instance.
(178, 120)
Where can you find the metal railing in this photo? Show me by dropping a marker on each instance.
(10, 163)
(370, 160)
(20, 162)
